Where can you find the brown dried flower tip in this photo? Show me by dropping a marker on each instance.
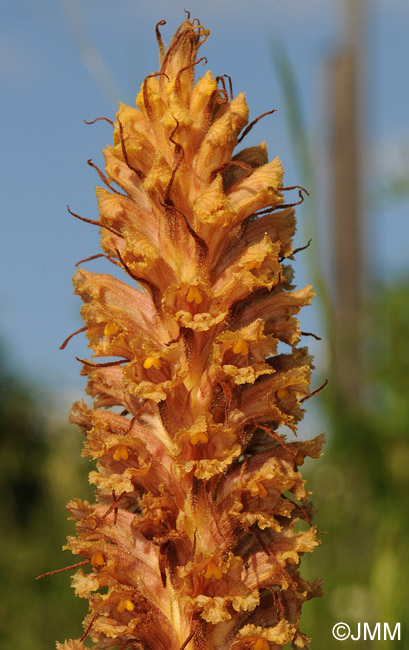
(194, 540)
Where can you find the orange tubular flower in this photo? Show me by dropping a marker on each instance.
(193, 541)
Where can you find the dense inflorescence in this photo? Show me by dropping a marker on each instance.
(201, 513)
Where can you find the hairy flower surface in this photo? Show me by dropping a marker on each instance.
(201, 514)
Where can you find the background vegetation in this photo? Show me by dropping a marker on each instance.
(361, 488)
(40, 470)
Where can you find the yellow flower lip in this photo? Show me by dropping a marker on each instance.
(125, 604)
(150, 362)
(97, 559)
(194, 295)
(121, 453)
(241, 347)
(199, 437)
(212, 571)
(283, 393)
(261, 644)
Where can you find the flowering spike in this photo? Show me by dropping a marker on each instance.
(194, 541)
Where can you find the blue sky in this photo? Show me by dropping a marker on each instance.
(63, 61)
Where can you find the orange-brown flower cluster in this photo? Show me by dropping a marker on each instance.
(201, 514)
